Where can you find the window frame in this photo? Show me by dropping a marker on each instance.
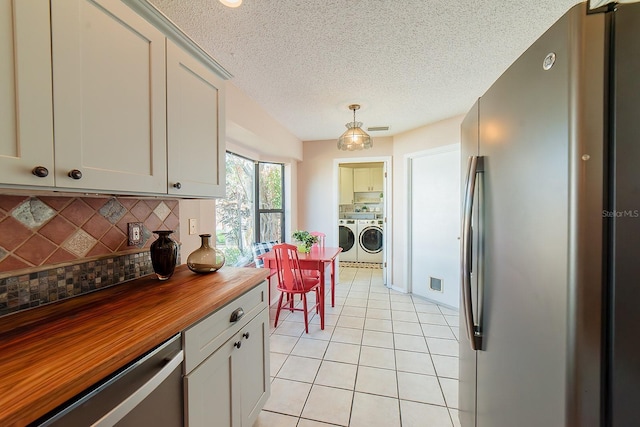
(259, 210)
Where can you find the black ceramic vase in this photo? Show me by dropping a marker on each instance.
(205, 259)
(164, 254)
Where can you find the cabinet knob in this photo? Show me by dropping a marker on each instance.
(246, 335)
(177, 185)
(40, 171)
(237, 344)
(75, 174)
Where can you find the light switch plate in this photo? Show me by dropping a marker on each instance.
(193, 226)
(134, 233)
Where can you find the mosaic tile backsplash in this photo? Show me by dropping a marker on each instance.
(65, 246)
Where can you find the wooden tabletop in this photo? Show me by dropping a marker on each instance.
(51, 353)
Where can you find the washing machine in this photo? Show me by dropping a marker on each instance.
(370, 235)
(348, 239)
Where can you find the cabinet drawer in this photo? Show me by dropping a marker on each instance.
(208, 335)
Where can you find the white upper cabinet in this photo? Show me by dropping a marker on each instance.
(26, 117)
(368, 179)
(109, 98)
(346, 186)
(195, 127)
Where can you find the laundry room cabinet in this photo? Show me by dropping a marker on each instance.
(346, 186)
(368, 179)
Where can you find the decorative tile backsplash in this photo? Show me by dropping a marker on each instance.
(55, 247)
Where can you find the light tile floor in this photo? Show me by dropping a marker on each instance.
(384, 359)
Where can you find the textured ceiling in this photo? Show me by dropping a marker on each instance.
(408, 63)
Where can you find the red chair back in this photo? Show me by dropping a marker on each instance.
(289, 272)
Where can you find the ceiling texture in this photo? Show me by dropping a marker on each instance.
(408, 63)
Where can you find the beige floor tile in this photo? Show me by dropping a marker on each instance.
(404, 316)
(297, 368)
(378, 325)
(293, 329)
(328, 309)
(410, 343)
(369, 410)
(400, 297)
(454, 417)
(347, 335)
(432, 318)
(342, 352)
(378, 313)
(453, 320)
(415, 415)
(407, 328)
(287, 397)
(379, 304)
(378, 296)
(308, 347)
(443, 347)
(377, 381)
(271, 419)
(311, 423)
(437, 331)
(329, 405)
(354, 311)
(419, 363)
(355, 302)
(446, 366)
(448, 311)
(282, 343)
(420, 388)
(335, 374)
(377, 357)
(377, 339)
(350, 322)
(359, 294)
(423, 307)
(403, 305)
(276, 360)
(320, 334)
(379, 289)
(456, 333)
(298, 316)
(329, 320)
(450, 390)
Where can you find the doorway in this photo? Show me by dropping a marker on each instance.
(434, 224)
(362, 211)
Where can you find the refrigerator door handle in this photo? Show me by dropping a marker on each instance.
(475, 166)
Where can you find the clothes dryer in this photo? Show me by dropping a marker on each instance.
(370, 240)
(348, 239)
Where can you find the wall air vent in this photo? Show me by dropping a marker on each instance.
(377, 128)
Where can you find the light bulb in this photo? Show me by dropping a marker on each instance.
(231, 3)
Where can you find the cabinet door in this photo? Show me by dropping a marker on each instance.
(346, 186)
(26, 118)
(212, 395)
(361, 180)
(195, 127)
(254, 368)
(377, 179)
(109, 97)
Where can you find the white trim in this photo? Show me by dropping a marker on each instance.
(408, 160)
(388, 213)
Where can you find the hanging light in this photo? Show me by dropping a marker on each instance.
(231, 3)
(354, 138)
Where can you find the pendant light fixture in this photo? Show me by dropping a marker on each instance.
(231, 3)
(354, 138)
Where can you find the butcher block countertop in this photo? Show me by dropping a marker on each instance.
(51, 353)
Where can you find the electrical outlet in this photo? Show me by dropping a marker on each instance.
(135, 233)
(193, 226)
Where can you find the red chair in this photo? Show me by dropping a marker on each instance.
(292, 281)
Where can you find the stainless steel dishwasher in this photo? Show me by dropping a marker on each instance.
(146, 392)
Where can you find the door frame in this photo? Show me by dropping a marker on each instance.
(408, 160)
(387, 246)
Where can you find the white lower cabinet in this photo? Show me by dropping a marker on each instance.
(230, 387)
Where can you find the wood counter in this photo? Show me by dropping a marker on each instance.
(51, 353)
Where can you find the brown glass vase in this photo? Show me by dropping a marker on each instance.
(164, 254)
(205, 259)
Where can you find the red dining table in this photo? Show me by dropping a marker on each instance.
(317, 260)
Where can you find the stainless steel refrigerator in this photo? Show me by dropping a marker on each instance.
(550, 310)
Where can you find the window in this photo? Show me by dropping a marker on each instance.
(240, 221)
(270, 209)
